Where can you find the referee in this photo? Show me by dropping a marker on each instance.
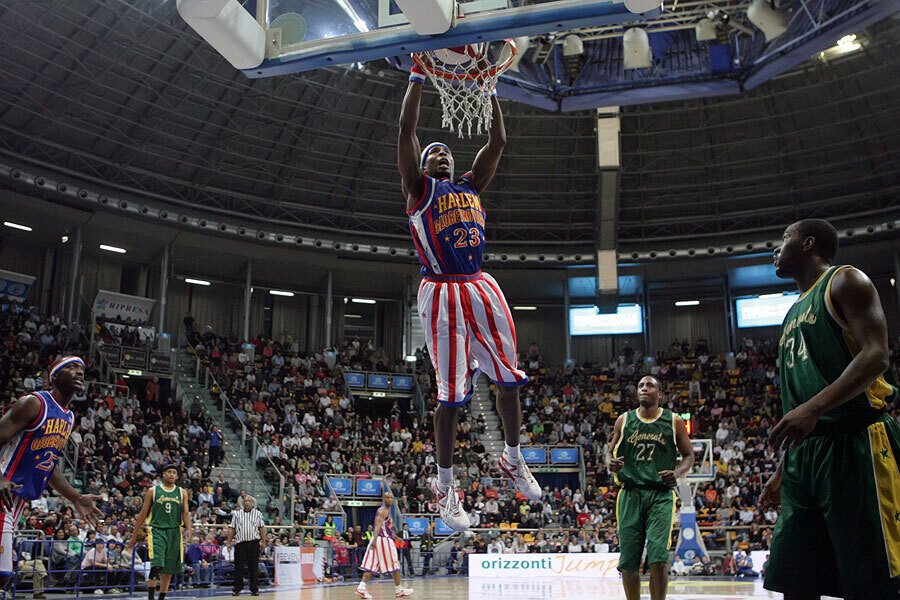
(248, 530)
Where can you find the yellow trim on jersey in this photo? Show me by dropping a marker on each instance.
(149, 542)
(887, 485)
(829, 304)
(181, 544)
(637, 411)
(672, 522)
(813, 286)
(616, 451)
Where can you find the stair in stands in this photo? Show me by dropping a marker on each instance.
(482, 404)
(238, 465)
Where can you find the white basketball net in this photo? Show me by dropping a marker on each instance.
(465, 87)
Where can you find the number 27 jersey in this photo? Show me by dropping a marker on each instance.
(447, 227)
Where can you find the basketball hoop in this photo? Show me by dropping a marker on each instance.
(465, 78)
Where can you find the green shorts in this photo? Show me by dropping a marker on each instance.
(165, 548)
(644, 514)
(839, 529)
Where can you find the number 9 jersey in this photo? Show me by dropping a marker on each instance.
(447, 227)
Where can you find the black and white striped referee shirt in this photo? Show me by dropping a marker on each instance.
(246, 525)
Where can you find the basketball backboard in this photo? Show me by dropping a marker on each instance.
(308, 34)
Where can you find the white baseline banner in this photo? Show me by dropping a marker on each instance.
(591, 565)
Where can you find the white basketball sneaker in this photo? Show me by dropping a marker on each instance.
(363, 593)
(452, 513)
(403, 592)
(517, 470)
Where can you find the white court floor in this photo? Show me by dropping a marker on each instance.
(561, 588)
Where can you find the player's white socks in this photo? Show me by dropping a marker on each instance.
(513, 451)
(361, 586)
(445, 476)
(398, 588)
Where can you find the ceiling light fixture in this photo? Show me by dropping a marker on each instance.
(17, 226)
(363, 301)
(196, 281)
(353, 316)
(115, 249)
(687, 303)
(524, 307)
(281, 293)
(778, 295)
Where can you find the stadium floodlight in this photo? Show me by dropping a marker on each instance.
(363, 301)
(17, 226)
(115, 249)
(687, 303)
(770, 21)
(281, 293)
(196, 281)
(637, 52)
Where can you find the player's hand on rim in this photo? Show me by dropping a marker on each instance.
(6, 493)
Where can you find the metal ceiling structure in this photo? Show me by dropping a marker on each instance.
(120, 100)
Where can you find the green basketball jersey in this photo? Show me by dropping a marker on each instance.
(648, 447)
(166, 510)
(814, 349)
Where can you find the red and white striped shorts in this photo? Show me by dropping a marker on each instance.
(381, 557)
(468, 329)
(8, 520)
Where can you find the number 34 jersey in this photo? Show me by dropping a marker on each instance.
(815, 347)
(648, 447)
(447, 227)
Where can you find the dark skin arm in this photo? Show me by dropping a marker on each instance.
(140, 518)
(85, 504)
(685, 449)
(856, 302)
(615, 464)
(485, 165)
(19, 416)
(408, 148)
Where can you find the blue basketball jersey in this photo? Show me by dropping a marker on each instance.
(30, 458)
(447, 227)
(387, 529)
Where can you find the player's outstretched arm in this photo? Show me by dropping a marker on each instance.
(485, 165)
(408, 148)
(85, 504)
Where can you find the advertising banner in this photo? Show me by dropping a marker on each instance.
(287, 565)
(586, 565)
(15, 286)
(113, 305)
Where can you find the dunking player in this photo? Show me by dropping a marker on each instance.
(33, 433)
(467, 323)
(381, 555)
(165, 510)
(646, 444)
(838, 481)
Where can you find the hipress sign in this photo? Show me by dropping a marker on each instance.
(592, 565)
